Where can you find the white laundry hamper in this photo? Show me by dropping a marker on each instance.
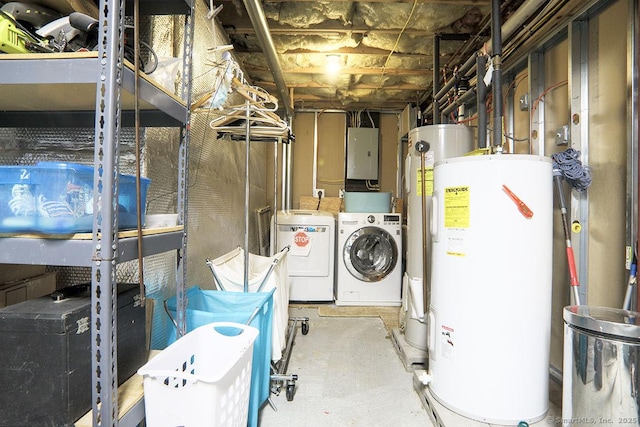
(265, 274)
(202, 379)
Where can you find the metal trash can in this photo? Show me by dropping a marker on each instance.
(601, 366)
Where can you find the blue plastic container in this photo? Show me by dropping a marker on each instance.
(204, 307)
(57, 198)
(367, 202)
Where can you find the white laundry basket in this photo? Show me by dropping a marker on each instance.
(202, 379)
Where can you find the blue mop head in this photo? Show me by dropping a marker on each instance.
(568, 165)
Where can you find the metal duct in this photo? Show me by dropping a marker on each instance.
(259, 21)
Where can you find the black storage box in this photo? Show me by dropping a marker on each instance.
(45, 356)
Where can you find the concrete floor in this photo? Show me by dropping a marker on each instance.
(351, 372)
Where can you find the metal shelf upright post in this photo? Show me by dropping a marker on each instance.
(105, 218)
(102, 84)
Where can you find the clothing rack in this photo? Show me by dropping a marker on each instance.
(256, 118)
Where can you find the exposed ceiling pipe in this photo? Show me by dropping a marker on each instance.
(436, 78)
(468, 96)
(462, 71)
(481, 66)
(516, 20)
(496, 84)
(259, 21)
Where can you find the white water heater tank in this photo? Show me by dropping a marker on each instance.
(490, 310)
(445, 141)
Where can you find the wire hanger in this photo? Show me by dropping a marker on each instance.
(259, 109)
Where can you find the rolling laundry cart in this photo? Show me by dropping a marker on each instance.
(264, 274)
(253, 309)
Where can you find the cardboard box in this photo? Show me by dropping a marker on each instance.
(13, 272)
(329, 204)
(25, 289)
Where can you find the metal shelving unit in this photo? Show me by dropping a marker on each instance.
(102, 84)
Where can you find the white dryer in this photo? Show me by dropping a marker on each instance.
(368, 259)
(310, 236)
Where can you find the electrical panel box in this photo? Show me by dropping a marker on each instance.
(362, 153)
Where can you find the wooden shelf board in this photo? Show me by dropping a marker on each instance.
(89, 236)
(65, 95)
(129, 394)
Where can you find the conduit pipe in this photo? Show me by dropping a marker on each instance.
(259, 21)
(314, 174)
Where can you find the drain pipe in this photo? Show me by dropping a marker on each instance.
(496, 83)
(259, 21)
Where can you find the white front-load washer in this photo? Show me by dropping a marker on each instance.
(368, 259)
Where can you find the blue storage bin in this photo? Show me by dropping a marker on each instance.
(204, 307)
(57, 198)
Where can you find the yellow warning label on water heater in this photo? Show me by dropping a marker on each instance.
(428, 182)
(456, 207)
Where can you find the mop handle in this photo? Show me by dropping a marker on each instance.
(573, 276)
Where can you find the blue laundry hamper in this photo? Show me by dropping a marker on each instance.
(252, 308)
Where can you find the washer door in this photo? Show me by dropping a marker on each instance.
(370, 254)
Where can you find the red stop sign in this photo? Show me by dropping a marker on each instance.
(301, 239)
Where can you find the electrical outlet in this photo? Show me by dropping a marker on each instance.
(524, 102)
(317, 191)
(341, 195)
(563, 135)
